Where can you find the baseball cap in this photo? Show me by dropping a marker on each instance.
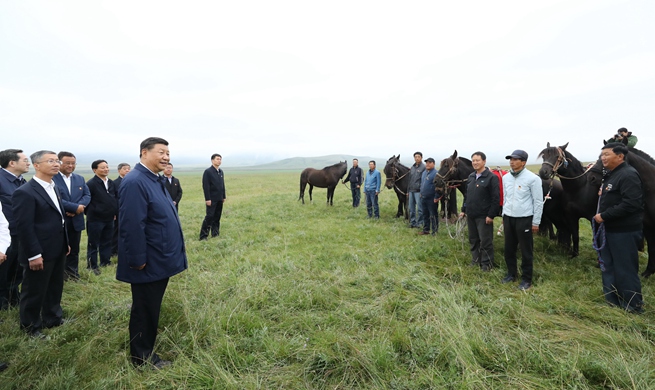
(518, 153)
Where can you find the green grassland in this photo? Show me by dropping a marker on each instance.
(296, 296)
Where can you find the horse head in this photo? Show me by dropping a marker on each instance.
(344, 168)
(555, 161)
(446, 172)
(391, 171)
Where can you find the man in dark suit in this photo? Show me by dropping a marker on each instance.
(43, 245)
(151, 247)
(213, 186)
(100, 215)
(14, 164)
(123, 169)
(173, 185)
(75, 196)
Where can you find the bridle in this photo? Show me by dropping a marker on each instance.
(562, 161)
(395, 176)
(445, 178)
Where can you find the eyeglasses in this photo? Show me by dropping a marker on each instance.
(51, 162)
(72, 164)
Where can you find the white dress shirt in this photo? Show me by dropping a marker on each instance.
(5, 237)
(67, 180)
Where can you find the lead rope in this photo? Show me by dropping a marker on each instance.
(599, 240)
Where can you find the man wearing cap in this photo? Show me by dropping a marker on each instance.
(620, 210)
(429, 199)
(522, 207)
(372, 189)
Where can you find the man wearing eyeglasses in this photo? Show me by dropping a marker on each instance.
(75, 196)
(43, 245)
(14, 164)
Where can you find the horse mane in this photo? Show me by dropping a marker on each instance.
(642, 154)
(335, 165)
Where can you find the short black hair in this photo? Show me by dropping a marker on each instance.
(150, 143)
(617, 148)
(63, 154)
(622, 130)
(121, 165)
(372, 161)
(170, 164)
(216, 155)
(354, 159)
(94, 165)
(419, 153)
(482, 155)
(9, 155)
(37, 155)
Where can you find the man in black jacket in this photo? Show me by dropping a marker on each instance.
(123, 169)
(213, 186)
(173, 185)
(100, 215)
(414, 192)
(620, 210)
(481, 206)
(356, 178)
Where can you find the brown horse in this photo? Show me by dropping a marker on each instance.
(327, 177)
(398, 178)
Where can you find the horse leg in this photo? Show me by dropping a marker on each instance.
(311, 188)
(330, 195)
(575, 238)
(302, 191)
(649, 235)
(400, 206)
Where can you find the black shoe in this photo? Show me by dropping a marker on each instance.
(3, 366)
(38, 335)
(61, 322)
(475, 263)
(96, 271)
(486, 268)
(635, 309)
(161, 364)
(525, 285)
(508, 279)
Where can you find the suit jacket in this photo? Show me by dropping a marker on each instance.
(149, 230)
(117, 182)
(8, 184)
(39, 225)
(79, 195)
(104, 205)
(213, 184)
(174, 189)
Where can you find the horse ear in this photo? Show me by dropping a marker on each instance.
(604, 142)
(563, 147)
(548, 144)
(455, 154)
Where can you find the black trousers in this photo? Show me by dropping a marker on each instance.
(357, 194)
(144, 320)
(11, 276)
(73, 257)
(99, 234)
(481, 239)
(212, 220)
(518, 234)
(430, 215)
(620, 257)
(114, 239)
(40, 299)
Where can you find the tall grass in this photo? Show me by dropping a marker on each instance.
(293, 296)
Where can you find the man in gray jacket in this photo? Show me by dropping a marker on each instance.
(522, 208)
(414, 192)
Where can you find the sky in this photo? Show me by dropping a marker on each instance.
(258, 81)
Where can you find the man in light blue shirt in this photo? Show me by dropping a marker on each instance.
(522, 208)
(372, 189)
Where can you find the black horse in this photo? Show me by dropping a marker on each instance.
(451, 176)
(645, 165)
(398, 178)
(327, 177)
(580, 186)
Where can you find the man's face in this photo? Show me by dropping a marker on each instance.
(21, 166)
(355, 163)
(48, 165)
(516, 164)
(156, 158)
(417, 159)
(429, 165)
(216, 161)
(371, 165)
(169, 170)
(610, 159)
(67, 165)
(477, 162)
(125, 169)
(102, 171)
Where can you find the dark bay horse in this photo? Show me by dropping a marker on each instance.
(398, 178)
(580, 185)
(327, 177)
(451, 176)
(645, 166)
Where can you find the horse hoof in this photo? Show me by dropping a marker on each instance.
(646, 274)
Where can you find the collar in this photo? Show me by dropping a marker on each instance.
(17, 177)
(148, 169)
(44, 183)
(66, 177)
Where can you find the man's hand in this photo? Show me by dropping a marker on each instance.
(208, 203)
(598, 218)
(489, 221)
(70, 214)
(3, 257)
(224, 199)
(37, 264)
(462, 215)
(80, 209)
(140, 267)
(69, 251)
(535, 228)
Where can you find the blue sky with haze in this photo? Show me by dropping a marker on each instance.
(264, 80)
